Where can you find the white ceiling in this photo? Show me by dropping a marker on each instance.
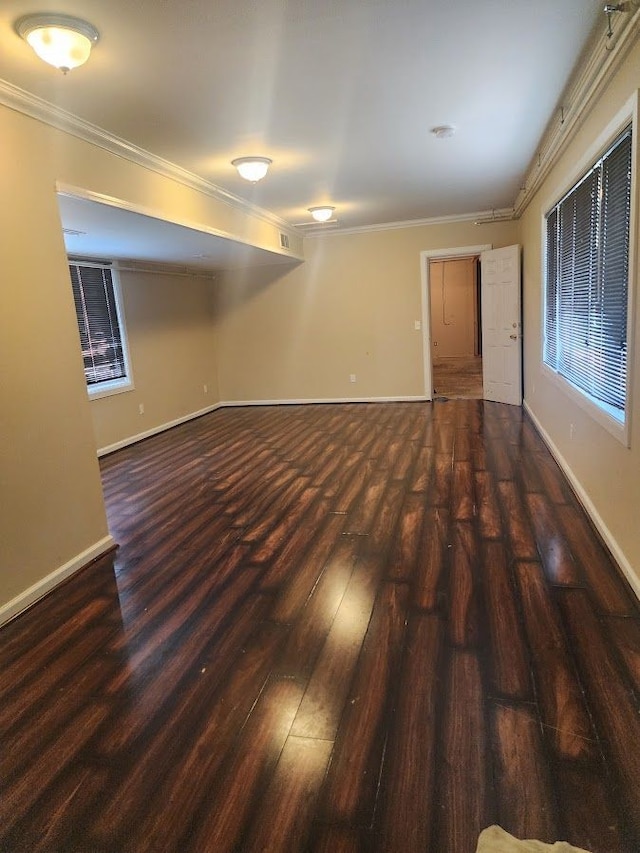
(341, 94)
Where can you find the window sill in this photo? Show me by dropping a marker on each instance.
(108, 389)
(615, 424)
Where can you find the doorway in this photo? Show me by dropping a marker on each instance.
(452, 322)
(456, 346)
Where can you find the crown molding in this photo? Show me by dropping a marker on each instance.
(31, 105)
(599, 64)
(160, 268)
(481, 217)
(150, 267)
(306, 226)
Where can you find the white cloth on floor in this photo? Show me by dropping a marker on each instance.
(496, 840)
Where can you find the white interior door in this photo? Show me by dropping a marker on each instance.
(501, 325)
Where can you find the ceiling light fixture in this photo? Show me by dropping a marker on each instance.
(61, 40)
(443, 131)
(252, 168)
(322, 213)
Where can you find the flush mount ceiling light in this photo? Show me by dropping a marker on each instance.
(61, 40)
(322, 213)
(252, 168)
(443, 131)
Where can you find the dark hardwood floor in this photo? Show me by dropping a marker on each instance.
(332, 628)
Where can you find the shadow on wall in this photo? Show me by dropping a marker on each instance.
(237, 287)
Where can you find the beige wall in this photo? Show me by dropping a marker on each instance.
(52, 513)
(350, 308)
(50, 492)
(607, 472)
(172, 350)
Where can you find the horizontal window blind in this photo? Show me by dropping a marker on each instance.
(586, 292)
(98, 324)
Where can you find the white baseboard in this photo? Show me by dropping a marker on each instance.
(132, 439)
(44, 585)
(308, 401)
(609, 539)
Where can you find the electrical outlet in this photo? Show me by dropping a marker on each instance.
(572, 430)
(205, 389)
(352, 377)
(141, 409)
(417, 325)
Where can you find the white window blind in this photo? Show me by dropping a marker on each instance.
(587, 266)
(98, 323)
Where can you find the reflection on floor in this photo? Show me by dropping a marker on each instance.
(372, 627)
(458, 377)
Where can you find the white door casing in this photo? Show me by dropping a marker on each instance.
(501, 325)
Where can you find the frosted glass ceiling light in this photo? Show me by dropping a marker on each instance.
(61, 40)
(322, 213)
(252, 168)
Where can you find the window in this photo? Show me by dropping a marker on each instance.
(587, 281)
(101, 330)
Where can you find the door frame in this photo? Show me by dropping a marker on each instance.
(439, 255)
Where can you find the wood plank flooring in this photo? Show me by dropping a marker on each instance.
(458, 377)
(372, 627)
